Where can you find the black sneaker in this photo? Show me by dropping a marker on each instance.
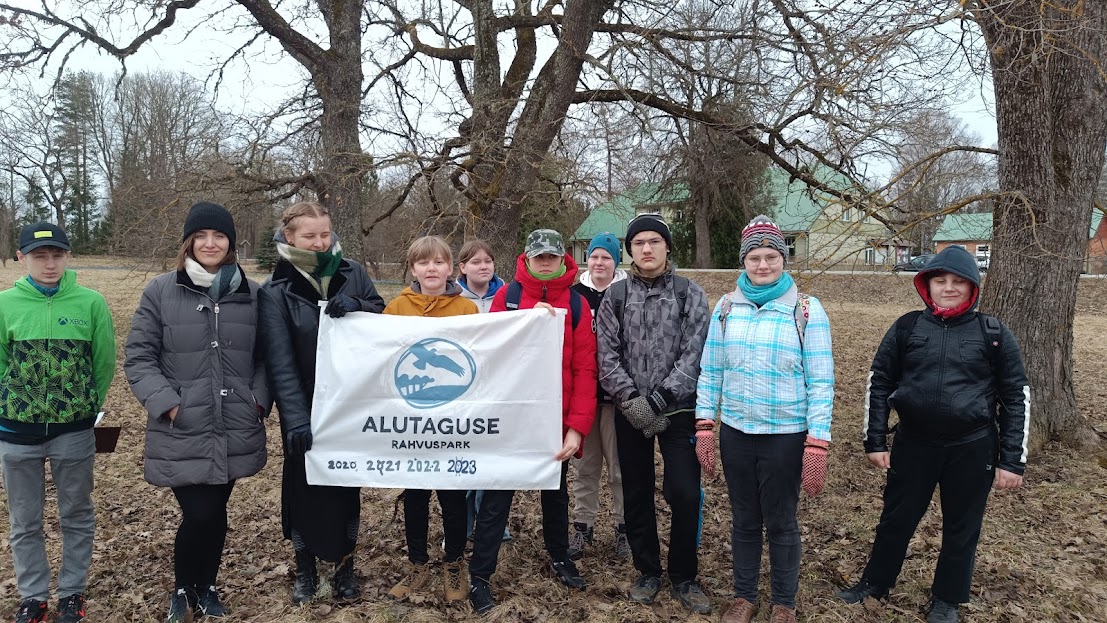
(179, 611)
(71, 609)
(942, 612)
(31, 611)
(566, 573)
(858, 592)
(580, 538)
(691, 596)
(645, 590)
(480, 596)
(208, 603)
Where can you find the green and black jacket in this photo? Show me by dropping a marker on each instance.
(57, 359)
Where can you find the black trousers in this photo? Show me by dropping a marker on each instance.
(680, 486)
(963, 474)
(198, 548)
(492, 519)
(417, 522)
(763, 478)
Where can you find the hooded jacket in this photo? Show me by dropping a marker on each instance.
(187, 351)
(412, 302)
(655, 347)
(57, 358)
(587, 289)
(578, 359)
(288, 324)
(484, 303)
(944, 388)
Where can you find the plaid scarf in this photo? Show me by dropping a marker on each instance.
(227, 279)
(317, 266)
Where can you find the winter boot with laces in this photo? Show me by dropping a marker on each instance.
(453, 578)
(71, 609)
(622, 545)
(346, 587)
(207, 602)
(580, 538)
(31, 611)
(415, 578)
(740, 611)
(179, 610)
(862, 590)
(782, 614)
(307, 578)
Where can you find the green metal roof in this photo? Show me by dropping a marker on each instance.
(613, 216)
(796, 207)
(956, 227)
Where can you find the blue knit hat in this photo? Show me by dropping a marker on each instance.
(608, 242)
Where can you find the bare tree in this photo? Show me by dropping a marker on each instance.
(1047, 67)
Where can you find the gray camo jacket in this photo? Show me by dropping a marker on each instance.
(662, 349)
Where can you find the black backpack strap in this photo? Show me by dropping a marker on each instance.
(574, 307)
(680, 287)
(992, 329)
(618, 294)
(514, 295)
(904, 326)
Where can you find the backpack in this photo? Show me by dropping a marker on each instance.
(990, 327)
(515, 295)
(801, 313)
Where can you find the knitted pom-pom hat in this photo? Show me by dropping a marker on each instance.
(761, 232)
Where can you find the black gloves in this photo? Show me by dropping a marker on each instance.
(660, 400)
(298, 440)
(341, 304)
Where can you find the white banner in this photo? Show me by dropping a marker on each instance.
(465, 402)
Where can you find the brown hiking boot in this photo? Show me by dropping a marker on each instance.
(453, 577)
(741, 611)
(782, 614)
(415, 578)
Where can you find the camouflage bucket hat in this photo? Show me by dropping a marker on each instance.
(545, 241)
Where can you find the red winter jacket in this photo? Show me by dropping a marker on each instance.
(578, 359)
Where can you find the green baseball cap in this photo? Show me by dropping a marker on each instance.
(545, 241)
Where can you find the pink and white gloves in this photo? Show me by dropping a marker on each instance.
(814, 464)
(705, 446)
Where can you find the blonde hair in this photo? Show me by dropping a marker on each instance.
(429, 247)
(470, 249)
(186, 251)
(298, 209)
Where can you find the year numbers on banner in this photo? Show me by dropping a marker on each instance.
(411, 466)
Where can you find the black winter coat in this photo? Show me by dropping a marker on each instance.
(288, 324)
(944, 389)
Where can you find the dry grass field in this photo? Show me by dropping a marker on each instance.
(1042, 554)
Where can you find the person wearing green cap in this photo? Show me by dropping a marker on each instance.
(543, 276)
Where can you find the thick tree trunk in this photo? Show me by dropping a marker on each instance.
(508, 175)
(1050, 106)
(703, 234)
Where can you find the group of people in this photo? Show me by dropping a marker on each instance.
(647, 365)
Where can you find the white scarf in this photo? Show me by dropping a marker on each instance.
(198, 274)
(586, 279)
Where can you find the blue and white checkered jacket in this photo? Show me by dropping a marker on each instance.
(759, 377)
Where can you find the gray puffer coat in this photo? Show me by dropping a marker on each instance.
(187, 351)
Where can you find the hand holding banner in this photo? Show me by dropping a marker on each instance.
(464, 402)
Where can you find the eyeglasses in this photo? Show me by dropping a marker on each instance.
(653, 242)
(771, 260)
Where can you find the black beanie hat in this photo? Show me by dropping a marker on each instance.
(206, 215)
(648, 222)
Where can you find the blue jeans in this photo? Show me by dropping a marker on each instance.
(71, 457)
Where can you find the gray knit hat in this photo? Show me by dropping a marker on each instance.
(761, 232)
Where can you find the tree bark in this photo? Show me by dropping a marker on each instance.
(1050, 106)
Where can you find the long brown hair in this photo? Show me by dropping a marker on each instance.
(186, 251)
